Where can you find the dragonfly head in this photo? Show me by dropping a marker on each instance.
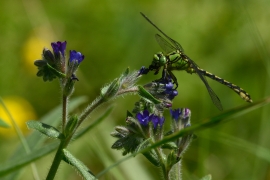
(159, 59)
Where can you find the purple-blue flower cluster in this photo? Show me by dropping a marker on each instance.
(145, 117)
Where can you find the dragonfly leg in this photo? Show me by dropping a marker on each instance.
(164, 78)
(168, 76)
(164, 74)
(173, 78)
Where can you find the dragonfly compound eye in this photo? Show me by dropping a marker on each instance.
(156, 57)
(160, 59)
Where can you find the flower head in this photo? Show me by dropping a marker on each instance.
(144, 118)
(59, 47)
(76, 56)
(53, 65)
(156, 120)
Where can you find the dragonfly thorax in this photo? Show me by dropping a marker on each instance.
(174, 56)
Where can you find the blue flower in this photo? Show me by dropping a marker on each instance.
(157, 120)
(176, 113)
(59, 47)
(172, 94)
(170, 91)
(169, 86)
(144, 118)
(76, 56)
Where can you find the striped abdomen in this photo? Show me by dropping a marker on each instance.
(242, 93)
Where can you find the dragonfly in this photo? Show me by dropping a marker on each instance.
(175, 59)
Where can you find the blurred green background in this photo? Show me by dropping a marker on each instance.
(228, 38)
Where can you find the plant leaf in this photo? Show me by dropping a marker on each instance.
(175, 170)
(207, 177)
(150, 155)
(169, 145)
(80, 167)
(46, 129)
(147, 96)
(110, 90)
(3, 124)
(19, 162)
(124, 74)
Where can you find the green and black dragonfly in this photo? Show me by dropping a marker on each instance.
(175, 59)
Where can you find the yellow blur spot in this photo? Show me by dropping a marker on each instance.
(21, 111)
(32, 50)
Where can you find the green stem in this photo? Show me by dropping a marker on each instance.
(98, 101)
(59, 154)
(64, 112)
(162, 162)
(56, 161)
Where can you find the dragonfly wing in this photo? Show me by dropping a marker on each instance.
(212, 94)
(165, 45)
(176, 44)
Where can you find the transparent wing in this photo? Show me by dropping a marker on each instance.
(175, 43)
(179, 47)
(212, 94)
(165, 45)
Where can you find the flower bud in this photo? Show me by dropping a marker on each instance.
(71, 125)
(48, 56)
(110, 90)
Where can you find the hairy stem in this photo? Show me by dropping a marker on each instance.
(56, 161)
(162, 162)
(64, 112)
(98, 101)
